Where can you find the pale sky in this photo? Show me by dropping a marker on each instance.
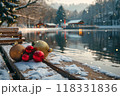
(72, 1)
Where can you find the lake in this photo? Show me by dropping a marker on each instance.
(98, 47)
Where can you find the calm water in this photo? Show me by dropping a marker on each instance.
(95, 47)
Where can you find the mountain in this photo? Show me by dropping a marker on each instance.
(71, 7)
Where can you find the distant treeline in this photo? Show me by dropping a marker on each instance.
(102, 12)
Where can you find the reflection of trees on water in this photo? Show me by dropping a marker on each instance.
(52, 40)
(33, 36)
(60, 39)
(106, 43)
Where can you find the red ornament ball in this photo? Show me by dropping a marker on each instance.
(38, 56)
(29, 49)
(25, 57)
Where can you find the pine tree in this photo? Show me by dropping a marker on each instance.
(8, 8)
(61, 15)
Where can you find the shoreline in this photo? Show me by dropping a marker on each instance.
(117, 26)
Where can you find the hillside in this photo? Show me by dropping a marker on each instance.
(72, 7)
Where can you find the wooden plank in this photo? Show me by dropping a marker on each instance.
(11, 35)
(14, 40)
(15, 70)
(3, 30)
(17, 35)
(7, 43)
(4, 42)
(8, 32)
(62, 72)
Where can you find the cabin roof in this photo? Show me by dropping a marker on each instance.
(74, 21)
(50, 24)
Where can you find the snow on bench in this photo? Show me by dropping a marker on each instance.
(34, 71)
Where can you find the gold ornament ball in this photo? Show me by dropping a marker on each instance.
(42, 46)
(16, 52)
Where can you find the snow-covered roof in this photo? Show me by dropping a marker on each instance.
(50, 24)
(74, 21)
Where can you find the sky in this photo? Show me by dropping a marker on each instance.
(72, 1)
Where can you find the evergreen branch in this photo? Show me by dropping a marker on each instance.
(29, 3)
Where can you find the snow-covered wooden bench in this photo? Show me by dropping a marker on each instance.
(30, 70)
(10, 36)
(55, 67)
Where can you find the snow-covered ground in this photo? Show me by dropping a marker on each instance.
(26, 30)
(4, 75)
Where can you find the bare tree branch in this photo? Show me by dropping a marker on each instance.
(29, 3)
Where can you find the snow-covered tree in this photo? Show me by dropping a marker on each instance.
(8, 8)
(61, 15)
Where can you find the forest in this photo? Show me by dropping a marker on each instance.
(100, 12)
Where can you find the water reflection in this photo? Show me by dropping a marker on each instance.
(104, 44)
(60, 38)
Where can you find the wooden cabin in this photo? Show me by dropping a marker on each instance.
(75, 23)
(40, 25)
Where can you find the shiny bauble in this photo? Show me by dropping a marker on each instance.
(16, 52)
(29, 49)
(38, 56)
(42, 46)
(25, 57)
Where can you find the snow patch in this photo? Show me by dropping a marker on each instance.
(40, 73)
(57, 58)
(73, 69)
(22, 66)
(55, 62)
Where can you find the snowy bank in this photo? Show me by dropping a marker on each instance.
(117, 26)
